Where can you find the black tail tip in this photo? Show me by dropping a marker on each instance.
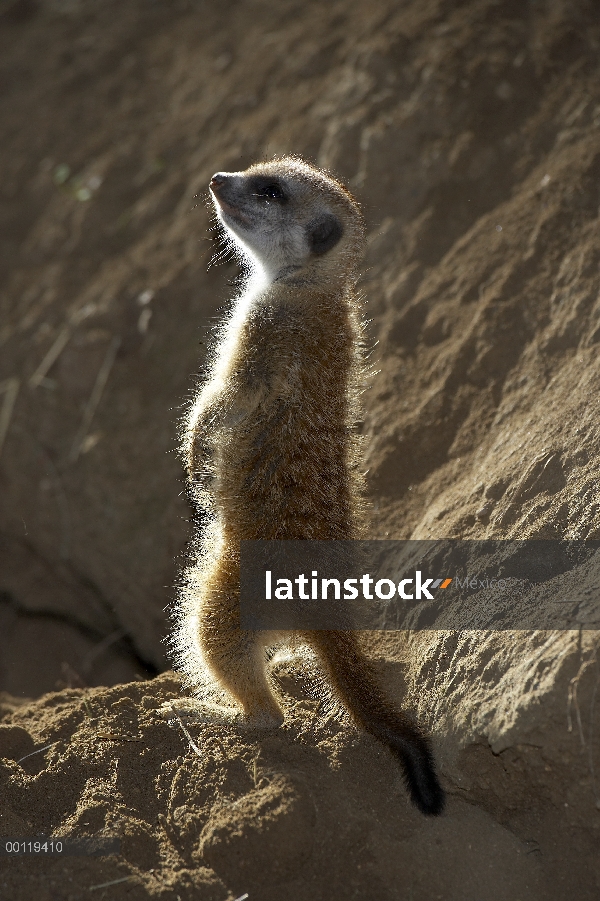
(422, 782)
(429, 799)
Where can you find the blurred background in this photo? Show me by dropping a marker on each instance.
(469, 131)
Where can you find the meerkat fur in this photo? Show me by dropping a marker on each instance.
(271, 450)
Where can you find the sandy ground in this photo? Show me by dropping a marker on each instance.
(471, 133)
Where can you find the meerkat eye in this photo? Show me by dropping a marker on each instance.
(271, 190)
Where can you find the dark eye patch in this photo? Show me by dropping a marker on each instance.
(268, 188)
(324, 233)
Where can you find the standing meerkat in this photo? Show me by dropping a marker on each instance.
(270, 448)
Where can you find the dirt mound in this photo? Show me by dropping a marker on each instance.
(470, 131)
(313, 811)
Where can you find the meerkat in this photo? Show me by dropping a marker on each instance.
(271, 452)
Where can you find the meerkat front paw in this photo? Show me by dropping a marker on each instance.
(207, 713)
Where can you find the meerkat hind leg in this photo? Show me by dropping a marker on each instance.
(238, 666)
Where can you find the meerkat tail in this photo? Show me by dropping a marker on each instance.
(353, 678)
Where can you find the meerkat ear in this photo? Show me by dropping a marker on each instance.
(324, 233)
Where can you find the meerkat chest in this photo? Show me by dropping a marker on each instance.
(265, 355)
(280, 366)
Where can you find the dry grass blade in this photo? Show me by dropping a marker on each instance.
(93, 888)
(193, 744)
(10, 389)
(62, 339)
(113, 736)
(95, 396)
(99, 649)
(37, 751)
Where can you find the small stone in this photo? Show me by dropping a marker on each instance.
(483, 514)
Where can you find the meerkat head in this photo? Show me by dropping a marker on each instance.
(290, 219)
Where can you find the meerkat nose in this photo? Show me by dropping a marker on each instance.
(217, 181)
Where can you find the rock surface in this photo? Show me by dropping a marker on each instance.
(471, 133)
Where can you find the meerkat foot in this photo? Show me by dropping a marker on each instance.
(207, 713)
